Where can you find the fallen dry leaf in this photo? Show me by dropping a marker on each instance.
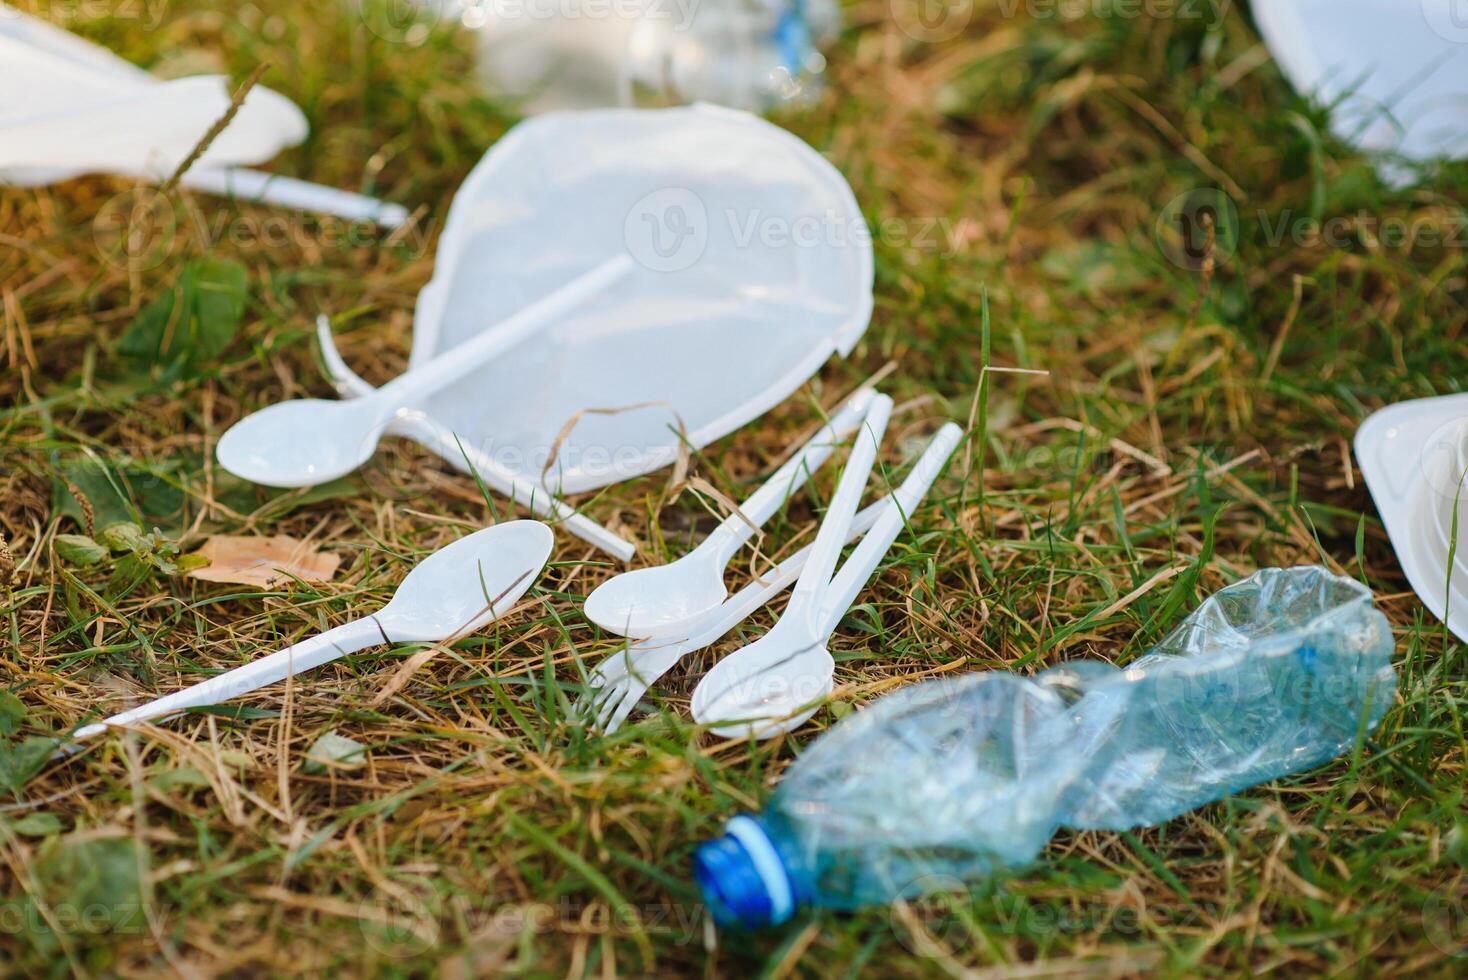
(263, 561)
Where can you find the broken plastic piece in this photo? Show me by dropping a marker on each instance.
(69, 107)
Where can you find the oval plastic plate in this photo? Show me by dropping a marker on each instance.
(754, 267)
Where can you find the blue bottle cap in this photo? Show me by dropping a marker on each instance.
(744, 882)
(793, 39)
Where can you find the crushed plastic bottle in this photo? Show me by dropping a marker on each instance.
(582, 54)
(952, 780)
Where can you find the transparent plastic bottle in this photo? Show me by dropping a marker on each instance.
(580, 54)
(949, 781)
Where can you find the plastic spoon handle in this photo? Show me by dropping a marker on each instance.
(731, 535)
(810, 589)
(459, 361)
(470, 459)
(858, 569)
(252, 185)
(754, 596)
(874, 519)
(303, 656)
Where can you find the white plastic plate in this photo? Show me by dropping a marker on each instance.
(69, 107)
(754, 267)
(1411, 455)
(1395, 72)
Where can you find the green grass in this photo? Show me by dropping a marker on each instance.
(1188, 424)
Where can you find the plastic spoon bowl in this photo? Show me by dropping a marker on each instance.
(454, 591)
(306, 442)
(666, 600)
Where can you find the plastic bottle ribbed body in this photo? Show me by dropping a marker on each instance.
(946, 782)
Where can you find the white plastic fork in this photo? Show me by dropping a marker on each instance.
(763, 693)
(802, 613)
(799, 628)
(666, 601)
(618, 683)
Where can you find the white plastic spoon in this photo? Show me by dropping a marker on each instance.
(454, 591)
(619, 682)
(752, 692)
(800, 627)
(665, 600)
(304, 442)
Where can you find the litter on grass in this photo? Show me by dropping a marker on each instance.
(69, 107)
